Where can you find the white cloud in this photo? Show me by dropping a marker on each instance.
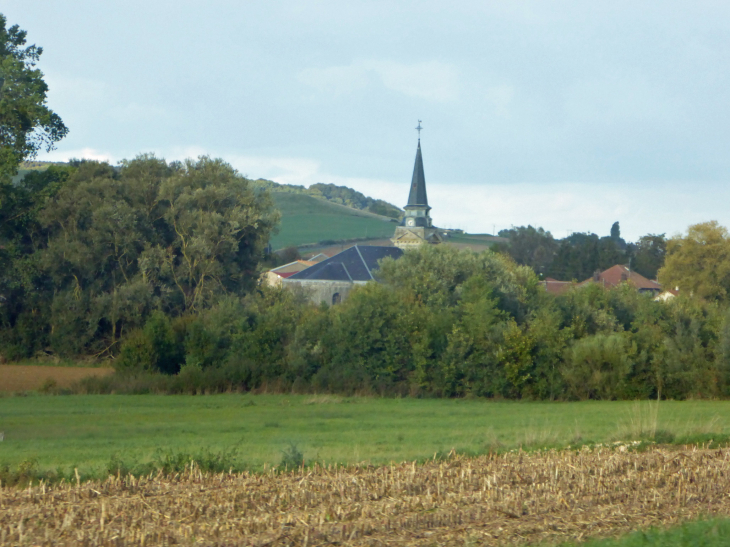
(431, 80)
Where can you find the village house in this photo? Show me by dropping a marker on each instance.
(274, 277)
(618, 274)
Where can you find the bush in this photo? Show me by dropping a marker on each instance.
(156, 348)
(291, 458)
(596, 367)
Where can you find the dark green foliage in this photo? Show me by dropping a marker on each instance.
(291, 458)
(155, 348)
(615, 231)
(92, 251)
(441, 322)
(649, 255)
(579, 255)
(27, 125)
(530, 246)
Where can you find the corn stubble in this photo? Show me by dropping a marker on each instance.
(503, 499)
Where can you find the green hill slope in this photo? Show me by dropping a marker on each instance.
(306, 219)
(311, 215)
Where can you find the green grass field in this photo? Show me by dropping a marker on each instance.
(305, 219)
(86, 431)
(705, 533)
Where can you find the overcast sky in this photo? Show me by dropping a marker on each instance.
(564, 114)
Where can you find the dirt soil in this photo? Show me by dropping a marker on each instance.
(510, 499)
(14, 378)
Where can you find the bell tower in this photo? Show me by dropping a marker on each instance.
(416, 227)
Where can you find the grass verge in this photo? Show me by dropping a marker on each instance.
(702, 533)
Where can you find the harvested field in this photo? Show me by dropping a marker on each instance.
(509, 499)
(31, 377)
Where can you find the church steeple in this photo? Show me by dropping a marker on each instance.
(416, 228)
(418, 182)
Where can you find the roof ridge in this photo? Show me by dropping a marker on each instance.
(346, 271)
(357, 248)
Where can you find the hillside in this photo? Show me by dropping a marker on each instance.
(321, 213)
(341, 195)
(306, 219)
(475, 242)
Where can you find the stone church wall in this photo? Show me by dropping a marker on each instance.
(323, 291)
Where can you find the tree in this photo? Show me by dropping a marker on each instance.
(27, 125)
(581, 254)
(615, 231)
(118, 244)
(530, 246)
(649, 254)
(699, 263)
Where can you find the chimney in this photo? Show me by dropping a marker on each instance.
(597, 276)
(624, 276)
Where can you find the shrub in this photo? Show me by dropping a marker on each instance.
(596, 367)
(291, 458)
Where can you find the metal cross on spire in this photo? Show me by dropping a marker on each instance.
(419, 129)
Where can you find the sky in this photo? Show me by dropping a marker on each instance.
(569, 115)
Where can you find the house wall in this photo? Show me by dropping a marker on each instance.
(272, 280)
(322, 291)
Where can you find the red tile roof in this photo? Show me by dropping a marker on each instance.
(554, 286)
(618, 274)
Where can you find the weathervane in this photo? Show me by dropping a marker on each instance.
(419, 129)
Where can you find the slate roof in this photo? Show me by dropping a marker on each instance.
(353, 264)
(417, 195)
(292, 267)
(618, 274)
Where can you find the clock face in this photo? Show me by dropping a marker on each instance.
(411, 222)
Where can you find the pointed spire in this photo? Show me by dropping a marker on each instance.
(417, 195)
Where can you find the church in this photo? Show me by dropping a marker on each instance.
(331, 280)
(416, 227)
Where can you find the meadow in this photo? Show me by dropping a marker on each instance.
(305, 219)
(89, 431)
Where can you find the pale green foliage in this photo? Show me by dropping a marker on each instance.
(699, 263)
(597, 366)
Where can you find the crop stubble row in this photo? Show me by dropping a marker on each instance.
(492, 500)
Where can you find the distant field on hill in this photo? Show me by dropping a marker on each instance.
(306, 219)
(475, 242)
(86, 431)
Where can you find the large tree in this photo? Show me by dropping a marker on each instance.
(530, 246)
(699, 262)
(649, 254)
(119, 243)
(27, 125)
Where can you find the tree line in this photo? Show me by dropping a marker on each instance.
(579, 255)
(440, 322)
(89, 251)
